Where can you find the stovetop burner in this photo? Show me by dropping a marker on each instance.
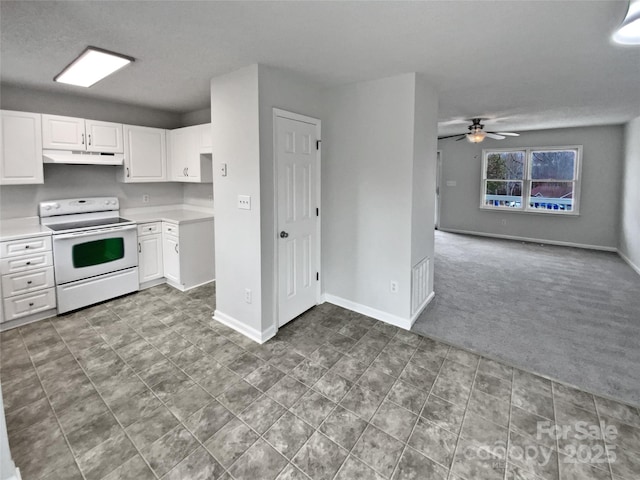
(100, 222)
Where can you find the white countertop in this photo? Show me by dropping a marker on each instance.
(29, 227)
(22, 228)
(179, 214)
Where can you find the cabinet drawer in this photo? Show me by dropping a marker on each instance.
(26, 262)
(170, 229)
(149, 228)
(19, 283)
(29, 303)
(24, 246)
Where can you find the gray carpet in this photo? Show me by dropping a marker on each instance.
(570, 314)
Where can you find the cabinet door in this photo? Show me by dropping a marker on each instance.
(171, 258)
(182, 146)
(206, 142)
(63, 133)
(145, 154)
(21, 149)
(150, 257)
(104, 136)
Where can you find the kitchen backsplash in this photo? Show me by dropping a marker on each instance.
(72, 181)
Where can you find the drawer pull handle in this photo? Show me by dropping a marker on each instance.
(26, 246)
(29, 282)
(31, 304)
(28, 263)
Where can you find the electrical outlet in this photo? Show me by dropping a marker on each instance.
(504, 221)
(244, 202)
(393, 286)
(247, 295)
(145, 198)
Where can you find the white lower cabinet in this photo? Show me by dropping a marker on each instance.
(28, 283)
(171, 258)
(150, 262)
(29, 303)
(180, 254)
(188, 253)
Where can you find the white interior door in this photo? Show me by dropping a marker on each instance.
(297, 170)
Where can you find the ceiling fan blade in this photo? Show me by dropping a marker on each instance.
(462, 137)
(451, 136)
(494, 136)
(508, 134)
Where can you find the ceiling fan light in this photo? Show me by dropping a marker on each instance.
(628, 33)
(476, 136)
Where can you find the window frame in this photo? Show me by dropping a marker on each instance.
(527, 181)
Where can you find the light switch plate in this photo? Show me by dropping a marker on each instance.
(244, 202)
(223, 169)
(451, 183)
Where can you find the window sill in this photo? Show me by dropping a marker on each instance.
(533, 212)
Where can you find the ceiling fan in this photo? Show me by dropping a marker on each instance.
(477, 134)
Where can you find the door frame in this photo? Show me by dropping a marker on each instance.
(438, 188)
(277, 112)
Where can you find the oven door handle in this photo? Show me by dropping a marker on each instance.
(98, 231)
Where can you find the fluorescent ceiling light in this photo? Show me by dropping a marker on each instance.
(629, 31)
(91, 66)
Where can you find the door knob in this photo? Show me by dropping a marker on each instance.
(283, 234)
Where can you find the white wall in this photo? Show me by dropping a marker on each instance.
(424, 173)
(22, 99)
(236, 142)
(371, 152)
(597, 224)
(630, 203)
(199, 194)
(284, 90)
(71, 181)
(197, 117)
(242, 108)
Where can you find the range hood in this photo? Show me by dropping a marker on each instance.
(77, 157)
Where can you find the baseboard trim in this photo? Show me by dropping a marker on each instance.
(19, 322)
(404, 323)
(152, 283)
(530, 240)
(250, 332)
(182, 288)
(422, 307)
(635, 267)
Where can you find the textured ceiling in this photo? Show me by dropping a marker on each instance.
(522, 64)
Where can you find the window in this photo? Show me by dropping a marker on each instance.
(543, 180)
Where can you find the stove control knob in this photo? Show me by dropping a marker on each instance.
(56, 206)
(47, 207)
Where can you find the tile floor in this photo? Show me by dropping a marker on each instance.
(149, 387)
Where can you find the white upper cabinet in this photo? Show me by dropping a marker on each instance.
(21, 149)
(104, 136)
(145, 155)
(189, 154)
(70, 133)
(206, 138)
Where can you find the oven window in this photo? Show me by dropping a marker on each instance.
(97, 252)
